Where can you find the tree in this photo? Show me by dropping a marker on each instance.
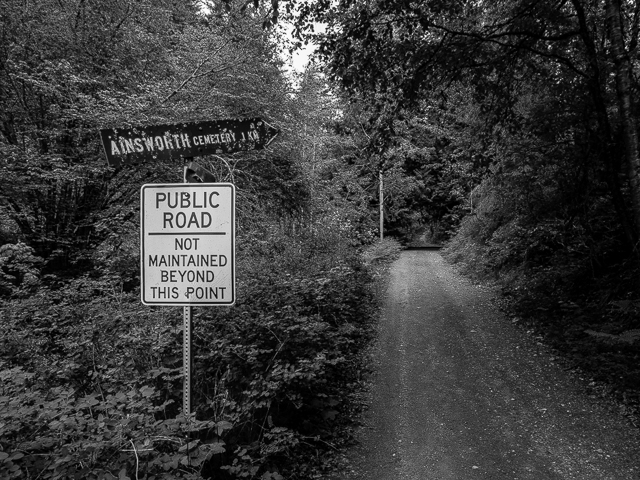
(67, 68)
(391, 54)
(624, 85)
(70, 68)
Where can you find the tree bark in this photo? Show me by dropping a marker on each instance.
(604, 132)
(628, 123)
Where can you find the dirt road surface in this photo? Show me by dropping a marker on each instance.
(460, 392)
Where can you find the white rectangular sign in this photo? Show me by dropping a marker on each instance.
(187, 243)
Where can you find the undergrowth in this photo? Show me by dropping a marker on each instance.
(382, 251)
(91, 379)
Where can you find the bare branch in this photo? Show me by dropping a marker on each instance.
(195, 73)
(494, 39)
(186, 80)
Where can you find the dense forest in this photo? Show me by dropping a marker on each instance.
(507, 130)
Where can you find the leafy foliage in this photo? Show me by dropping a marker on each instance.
(19, 272)
(92, 380)
(382, 251)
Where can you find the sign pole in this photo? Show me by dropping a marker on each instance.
(186, 360)
(187, 325)
(381, 208)
(193, 173)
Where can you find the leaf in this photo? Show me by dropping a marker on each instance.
(630, 336)
(329, 414)
(147, 391)
(222, 427)
(623, 305)
(214, 448)
(271, 476)
(89, 401)
(189, 446)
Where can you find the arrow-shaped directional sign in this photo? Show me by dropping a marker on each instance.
(156, 143)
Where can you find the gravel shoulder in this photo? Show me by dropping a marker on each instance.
(459, 392)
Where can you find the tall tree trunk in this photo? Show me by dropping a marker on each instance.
(605, 137)
(625, 107)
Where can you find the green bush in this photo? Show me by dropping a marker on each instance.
(61, 434)
(92, 386)
(19, 269)
(385, 249)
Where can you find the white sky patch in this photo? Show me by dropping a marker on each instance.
(299, 59)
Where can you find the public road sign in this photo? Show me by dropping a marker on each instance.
(187, 242)
(156, 143)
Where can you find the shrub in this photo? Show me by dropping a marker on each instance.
(19, 269)
(91, 379)
(387, 248)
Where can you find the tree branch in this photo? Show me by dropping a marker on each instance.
(195, 73)
(186, 80)
(494, 39)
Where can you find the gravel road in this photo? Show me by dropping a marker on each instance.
(462, 393)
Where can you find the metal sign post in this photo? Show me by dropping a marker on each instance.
(193, 173)
(187, 325)
(186, 360)
(381, 195)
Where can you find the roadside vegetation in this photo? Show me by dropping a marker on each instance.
(90, 378)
